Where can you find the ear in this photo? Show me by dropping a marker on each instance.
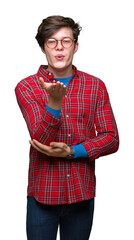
(43, 50)
(76, 47)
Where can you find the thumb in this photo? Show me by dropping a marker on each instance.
(42, 83)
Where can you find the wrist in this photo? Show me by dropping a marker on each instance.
(67, 151)
(54, 103)
(71, 153)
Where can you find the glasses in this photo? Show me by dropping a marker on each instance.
(65, 42)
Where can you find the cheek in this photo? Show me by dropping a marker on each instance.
(70, 55)
(70, 58)
(49, 57)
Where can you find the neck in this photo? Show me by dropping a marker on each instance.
(61, 73)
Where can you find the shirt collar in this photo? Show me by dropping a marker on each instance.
(43, 72)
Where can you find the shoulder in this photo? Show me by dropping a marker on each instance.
(92, 79)
(93, 83)
(27, 83)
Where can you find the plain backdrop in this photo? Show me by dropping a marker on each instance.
(106, 50)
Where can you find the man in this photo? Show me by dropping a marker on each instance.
(71, 123)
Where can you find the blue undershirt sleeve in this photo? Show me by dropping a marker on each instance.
(55, 113)
(80, 151)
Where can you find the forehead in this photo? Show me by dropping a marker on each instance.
(63, 32)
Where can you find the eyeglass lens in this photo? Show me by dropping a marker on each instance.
(66, 42)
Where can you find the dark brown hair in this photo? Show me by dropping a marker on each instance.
(51, 24)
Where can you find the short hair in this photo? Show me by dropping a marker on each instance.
(53, 23)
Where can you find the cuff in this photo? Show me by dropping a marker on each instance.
(80, 151)
(54, 112)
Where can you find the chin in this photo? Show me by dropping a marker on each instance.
(60, 66)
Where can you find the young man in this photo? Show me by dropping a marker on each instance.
(71, 123)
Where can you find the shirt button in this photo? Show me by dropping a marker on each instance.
(67, 116)
(68, 175)
(69, 135)
(54, 81)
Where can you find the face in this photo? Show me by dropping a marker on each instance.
(60, 58)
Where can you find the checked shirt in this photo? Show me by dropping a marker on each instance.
(86, 118)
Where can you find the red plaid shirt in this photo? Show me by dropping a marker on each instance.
(86, 118)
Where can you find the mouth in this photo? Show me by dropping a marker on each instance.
(59, 57)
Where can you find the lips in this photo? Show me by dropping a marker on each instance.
(59, 57)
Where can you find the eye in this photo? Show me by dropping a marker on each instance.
(51, 41)
(66, 40)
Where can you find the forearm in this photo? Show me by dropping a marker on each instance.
(107, 138)
(46, 129)
(101, 145)
(41, 124)
(80, 151)
(51, 124)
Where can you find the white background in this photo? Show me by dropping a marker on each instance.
(107, 51)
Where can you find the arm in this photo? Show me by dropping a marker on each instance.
(107, 139)
(79, 149)
(41, 124)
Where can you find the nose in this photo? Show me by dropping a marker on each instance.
(59, 45)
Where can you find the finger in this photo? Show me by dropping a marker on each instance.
(62, 89)
(49, 87)
(41, 146)
(45, 85)
(42, 83)
(53, 88)
(58, 86)
(47, 150)
(35, 147)
(65, 89)
(58, 145)
(41, 80)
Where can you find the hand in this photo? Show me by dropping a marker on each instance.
(55, 149)
(56, 90)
